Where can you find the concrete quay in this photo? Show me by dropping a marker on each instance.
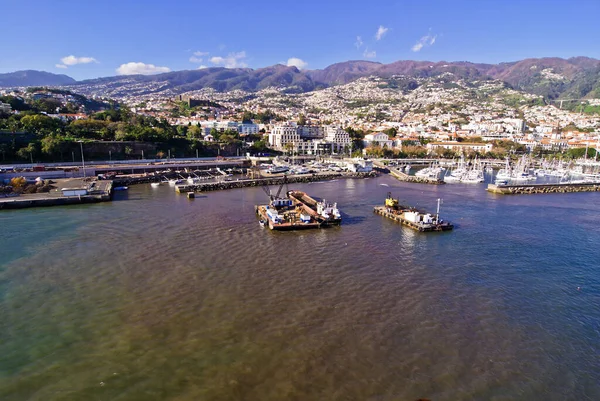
(542, 188)
(101, 191)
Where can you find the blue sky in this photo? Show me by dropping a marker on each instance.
(107, 38)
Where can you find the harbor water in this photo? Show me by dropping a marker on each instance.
(158, 297)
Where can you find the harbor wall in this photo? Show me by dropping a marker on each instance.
(542, 188)
(17, 203)
(223, 185)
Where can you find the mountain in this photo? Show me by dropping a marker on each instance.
(34, 78)
(342, 73)
(552, 77)
(218, 78)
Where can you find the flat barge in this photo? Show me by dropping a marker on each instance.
(411, 217)
(298, 211)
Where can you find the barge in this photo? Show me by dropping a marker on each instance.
(297, 211)
(411, 217)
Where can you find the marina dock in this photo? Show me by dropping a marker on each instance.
(543, 188)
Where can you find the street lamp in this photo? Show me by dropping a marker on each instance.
(82, 159)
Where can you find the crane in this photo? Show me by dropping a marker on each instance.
(278, 194)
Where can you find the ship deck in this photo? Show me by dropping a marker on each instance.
(423, 227)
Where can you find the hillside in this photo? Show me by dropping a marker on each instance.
(553, 77)
(34, 78)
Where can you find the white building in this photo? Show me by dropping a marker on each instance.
(378, 139)
(337, 137)
(282, 135)
(248, 129)
(311, 131)
(460, 146)
(5, 108)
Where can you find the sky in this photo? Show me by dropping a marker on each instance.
(89, 39)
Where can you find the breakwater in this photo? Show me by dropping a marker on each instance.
(223, 185)
(543, 188)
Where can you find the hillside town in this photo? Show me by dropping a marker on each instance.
(370, 114)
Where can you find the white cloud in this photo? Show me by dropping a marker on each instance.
(72, 60)
(381, 31)
(425, 41)
(358, 42)
(201, 67)
(369, 54)
(296, 62)
(233, 60)
(197, 57)
(60, 66)
(133, 68)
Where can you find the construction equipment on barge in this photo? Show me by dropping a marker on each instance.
(412, 217)
(296, 211)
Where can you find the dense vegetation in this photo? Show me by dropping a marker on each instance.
(32, 135)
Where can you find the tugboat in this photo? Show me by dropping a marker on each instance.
(412, 217)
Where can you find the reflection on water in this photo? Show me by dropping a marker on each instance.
(163, 298)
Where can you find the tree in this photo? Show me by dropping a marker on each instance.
(289, 147)
(247, 117)
(194, 132)
(28, 151)
(40, 124)
(391, 132)
(53, 144)
(302, 119)
(215, 134)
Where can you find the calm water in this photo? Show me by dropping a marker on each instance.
(156, 297)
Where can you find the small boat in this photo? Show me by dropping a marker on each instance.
(155, 184)
(262, 222)
(191, 195)
(120, 188)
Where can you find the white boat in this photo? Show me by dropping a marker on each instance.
(429, 172)
(155, 184)
(328, 210)
(278, 169)
(407, 168)
(474, 176)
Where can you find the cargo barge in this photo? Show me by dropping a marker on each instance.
(297, 211)
(411, 217)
